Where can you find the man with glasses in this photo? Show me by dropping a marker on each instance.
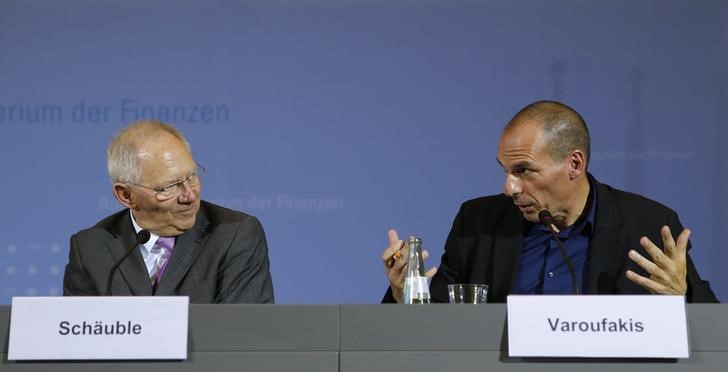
(196, 249)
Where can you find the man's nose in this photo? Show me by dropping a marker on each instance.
(188, 193)
(512, 185)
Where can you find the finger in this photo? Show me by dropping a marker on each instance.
(393, 236)
(393, 248)
(658, 256)
(645, 283)
(431, 272)
(391, 255)
(681, 246)
(397, 268)
(401, 263)
(397, 249)
(657, 273)
(644, 263)
(425, 254)
(395, 244)
(388, 257)
(668, 242)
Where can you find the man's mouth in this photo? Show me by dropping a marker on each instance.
(524, 207)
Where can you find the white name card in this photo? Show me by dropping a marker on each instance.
(648, 326)
(78, 328)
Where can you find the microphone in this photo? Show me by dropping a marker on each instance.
(546, 219)
(544, 216)
(141, 237)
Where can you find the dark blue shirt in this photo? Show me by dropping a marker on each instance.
(541, 268)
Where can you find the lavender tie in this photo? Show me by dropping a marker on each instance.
(166, 244)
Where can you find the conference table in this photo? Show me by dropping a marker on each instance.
(388, 337)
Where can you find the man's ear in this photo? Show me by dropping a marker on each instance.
(122, 192)
(577, 164)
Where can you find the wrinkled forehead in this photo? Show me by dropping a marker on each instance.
(165, 161)
(523, 142)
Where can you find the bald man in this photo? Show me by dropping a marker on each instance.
(617, 242)
(196, 249)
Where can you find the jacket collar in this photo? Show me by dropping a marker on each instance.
(604, 255)
(133, 270)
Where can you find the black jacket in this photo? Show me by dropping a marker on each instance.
(486, 238)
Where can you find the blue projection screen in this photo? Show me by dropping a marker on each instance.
(333, 120)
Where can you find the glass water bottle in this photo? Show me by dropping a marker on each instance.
(416, 289)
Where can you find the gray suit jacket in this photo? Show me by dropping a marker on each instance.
(222, 259)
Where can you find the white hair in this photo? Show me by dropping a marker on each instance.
(122, 160)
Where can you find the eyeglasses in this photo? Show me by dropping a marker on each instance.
(174, 189)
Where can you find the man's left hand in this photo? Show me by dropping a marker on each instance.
(668, 268)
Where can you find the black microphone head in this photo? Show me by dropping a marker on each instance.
(544, 216)
(143, 236)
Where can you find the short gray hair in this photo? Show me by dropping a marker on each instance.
(122, 160)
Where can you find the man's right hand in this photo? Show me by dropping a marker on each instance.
(395, 264)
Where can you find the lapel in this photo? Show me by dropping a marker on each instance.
(133, 270)
(186, 249)
(604, 254)
(507, 244)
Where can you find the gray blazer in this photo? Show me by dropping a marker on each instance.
(222, 259)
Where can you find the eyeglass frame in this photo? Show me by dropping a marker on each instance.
(173, 185)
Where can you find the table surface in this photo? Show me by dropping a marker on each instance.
(379, 337)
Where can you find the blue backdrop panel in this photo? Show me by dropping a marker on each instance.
(333, 120)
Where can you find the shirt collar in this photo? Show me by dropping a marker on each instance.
(583, 225)
(146, 247)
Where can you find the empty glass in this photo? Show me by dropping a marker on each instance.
(467, 293)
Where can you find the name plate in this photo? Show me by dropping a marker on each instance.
(649, 326)
(85, 328)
